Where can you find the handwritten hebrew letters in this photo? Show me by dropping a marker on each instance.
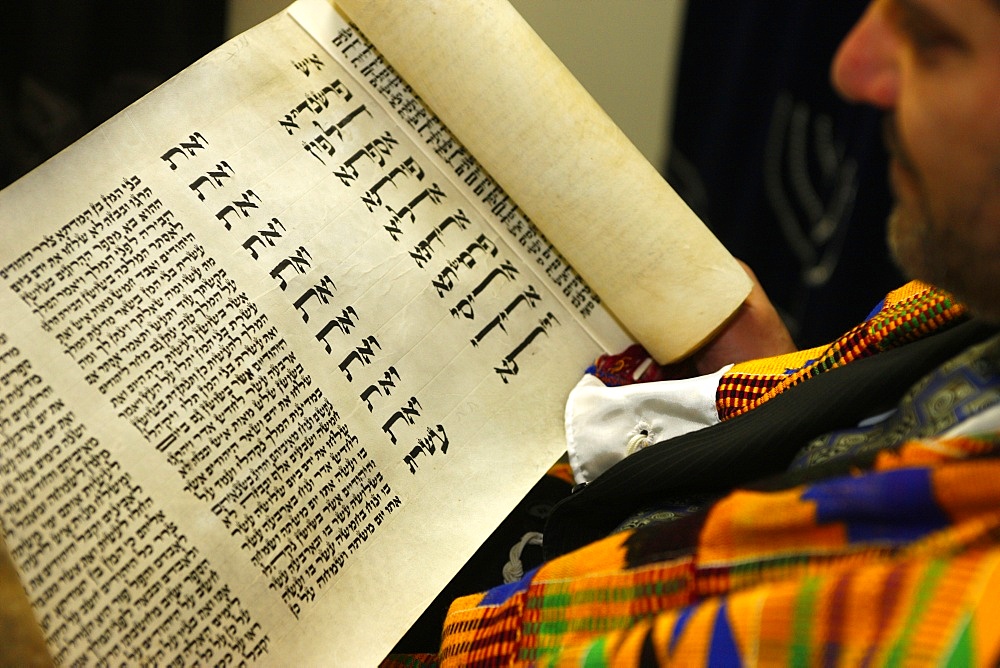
(116, 581)
(265, 340)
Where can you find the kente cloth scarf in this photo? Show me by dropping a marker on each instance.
(907, 314)
(897, 565)
(912, 312)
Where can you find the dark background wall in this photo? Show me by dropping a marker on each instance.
(68, 65)
(790, 177)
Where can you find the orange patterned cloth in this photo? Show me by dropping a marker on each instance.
(899, 565)
(909, 313)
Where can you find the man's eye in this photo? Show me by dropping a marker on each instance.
(926, 34)
(927, 40)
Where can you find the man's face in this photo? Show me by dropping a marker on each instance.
(934, 66)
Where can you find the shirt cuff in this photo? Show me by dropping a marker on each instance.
(606, 424)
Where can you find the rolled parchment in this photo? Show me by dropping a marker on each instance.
(482, 69)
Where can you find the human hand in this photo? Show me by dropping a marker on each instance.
(754, 331)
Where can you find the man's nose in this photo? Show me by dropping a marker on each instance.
(865, 68)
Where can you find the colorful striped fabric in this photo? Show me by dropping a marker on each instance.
(909, 313)
(899, 565)
(905, 315)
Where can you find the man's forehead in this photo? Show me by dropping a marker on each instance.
(971, 4)
(963, 16)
